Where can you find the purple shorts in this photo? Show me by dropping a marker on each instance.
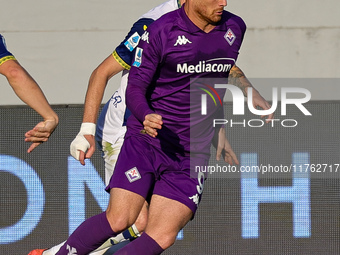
(147, 170)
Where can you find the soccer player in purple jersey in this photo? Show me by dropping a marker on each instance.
(111, 126)
(30, 93)
(176, 48)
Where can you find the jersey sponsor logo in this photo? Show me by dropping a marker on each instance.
(138, 57)
(133, 174)
(230, 37)
(116, 99)
(132, 42)
(182, 40)
(205, 67)
(145, 37)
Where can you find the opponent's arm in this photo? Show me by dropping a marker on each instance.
(238, 78)
(30, 93)
(118, 61)
(96, 87)
(83, 146)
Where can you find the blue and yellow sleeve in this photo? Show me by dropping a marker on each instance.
(125, 52)
(5, 55)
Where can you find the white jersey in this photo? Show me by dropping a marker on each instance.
(113, 123)
(112, 120)
(161, 9)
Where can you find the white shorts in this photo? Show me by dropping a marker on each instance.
(110, 155)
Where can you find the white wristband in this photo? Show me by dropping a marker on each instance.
(87, 128)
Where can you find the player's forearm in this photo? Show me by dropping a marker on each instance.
(30, 93)
(239, 79)
(37, 101)
(94, 97)
(136, 100)
(96, 88)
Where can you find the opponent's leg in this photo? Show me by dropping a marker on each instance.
(50, 251)
(130, 234)
(37, 252)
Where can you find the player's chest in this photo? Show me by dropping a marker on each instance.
(199, 51)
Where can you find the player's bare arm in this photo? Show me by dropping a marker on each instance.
(239, 79)
(26, 88)
(97, 84)
(83, 146)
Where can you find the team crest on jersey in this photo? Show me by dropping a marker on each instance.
(138, 57)
(132, 42)
(133, 174)
(182, 40)
(230, 37)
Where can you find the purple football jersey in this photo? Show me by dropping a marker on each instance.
(172, 55)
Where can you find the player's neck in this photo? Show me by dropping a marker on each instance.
(200, 22)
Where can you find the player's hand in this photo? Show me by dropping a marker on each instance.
(152, 123)
(224, 148)
(88, 154)
(40, 133)
(83, 146)
(258, 100)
